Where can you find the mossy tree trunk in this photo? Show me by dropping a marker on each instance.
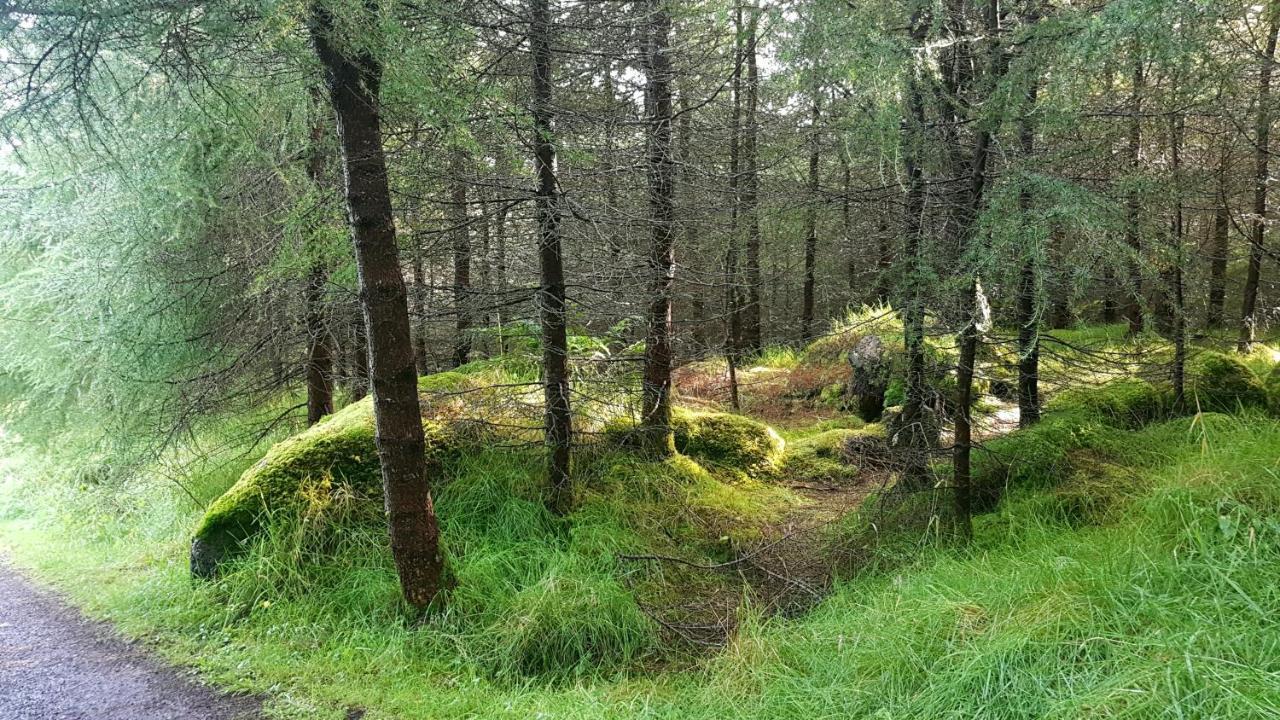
(353, 82)
(655, 420)
(551, 293)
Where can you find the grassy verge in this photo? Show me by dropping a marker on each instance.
(1161, 606)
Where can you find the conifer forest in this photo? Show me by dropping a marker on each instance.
(639, 359)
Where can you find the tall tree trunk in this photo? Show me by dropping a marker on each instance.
(613, 207)
(1133, 236)
(460, 219)
(419, 315)
(916, 426)
(551, 292)
(359, 357)
(1262, 150)
(1028, 315)
(500, 230)
(319, 347)
(353, 82)
(997, 63)
(1219, 249)
(1176, 124)
(1110, 307)
(733, 304)
(655, 420)
(752, 335)
(319, 339)
(485, 295)
(811, 224)
(846, 223)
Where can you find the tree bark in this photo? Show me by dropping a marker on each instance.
(916, 428)
(551, 292)
(1176, 125)
(484, 298)
(353, 82)
(1133, 237)
(1262, 150)
(418, 317)
(656, 436)
(319, 340)
(1028, 315)
(732, 294)
(752, 337)
(359, 358)
(1219, 249)
(811, 225)
(460, 220)
(997, 63)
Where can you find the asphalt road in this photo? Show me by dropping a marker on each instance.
(56, 665)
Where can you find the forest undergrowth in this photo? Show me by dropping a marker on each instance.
(1129, 568)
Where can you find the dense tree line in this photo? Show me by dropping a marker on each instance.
(687, 179)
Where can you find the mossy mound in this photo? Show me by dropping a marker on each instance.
(675, 499)
(1271, 386)
(336, 453)
(1128, 402)
(728, 441)
(576, 618)
(721, 441)
(1221, 382)
(1087, 419)
(822, 457)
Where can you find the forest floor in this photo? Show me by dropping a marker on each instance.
(1142, 542)
(56, 665)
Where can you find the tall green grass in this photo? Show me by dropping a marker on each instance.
(1161, 604)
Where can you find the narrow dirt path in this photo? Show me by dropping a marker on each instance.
(56, 665)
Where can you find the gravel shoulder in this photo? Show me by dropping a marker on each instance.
(57, 665)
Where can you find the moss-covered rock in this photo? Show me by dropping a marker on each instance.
(821, 457)
(337, 452)
(727, 441)
(721, 441)
(1221, 382)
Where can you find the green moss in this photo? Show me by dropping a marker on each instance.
(1271, 386)
(820, 458)
(1218, 381)
(1128, 402)
(305, 470)
(728, 441)
(1095, 492)
(1036, 456)
(1084, 419)
(675, 498)
(448, 381)
(722, 441)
